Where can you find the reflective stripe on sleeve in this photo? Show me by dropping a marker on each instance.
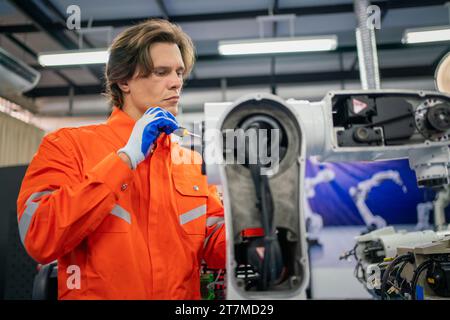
(216, 228)
(30, 209)
(213, 220)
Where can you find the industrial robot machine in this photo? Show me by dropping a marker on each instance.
(256, 149)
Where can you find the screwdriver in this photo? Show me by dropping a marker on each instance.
(182, 132)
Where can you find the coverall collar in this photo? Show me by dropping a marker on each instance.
(122, 124)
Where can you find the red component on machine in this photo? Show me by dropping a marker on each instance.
(253, 232)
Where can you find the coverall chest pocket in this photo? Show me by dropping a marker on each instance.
(191, 195)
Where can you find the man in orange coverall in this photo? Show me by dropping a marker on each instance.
(109, 202)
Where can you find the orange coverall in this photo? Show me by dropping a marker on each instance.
(133, 234)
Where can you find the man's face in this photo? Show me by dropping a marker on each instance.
(162, 87)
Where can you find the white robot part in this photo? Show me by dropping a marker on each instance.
(390, 240)
(241, 195)
(393, 241)
(361, 192)
(344, 126)
(331, 138)
(314, 221)
(385, 244)
(441, 202)
(423, 215)
(323, 176)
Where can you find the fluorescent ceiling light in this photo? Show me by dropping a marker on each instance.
(73, 57)
(278, 45)
(422, 35)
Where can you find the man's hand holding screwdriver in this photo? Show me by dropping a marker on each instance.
(145, 132)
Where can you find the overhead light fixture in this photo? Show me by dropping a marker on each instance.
(278, 45)
(73, 57)
(423, 35)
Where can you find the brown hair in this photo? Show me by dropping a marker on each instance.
(130, 51)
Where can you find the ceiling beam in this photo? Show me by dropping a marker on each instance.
(41, 20)
(299, 11)
(339, 50)
(273, 10)
(30, 51)
(298, 78)
(162, 6)
(441, 56)
(62, 19)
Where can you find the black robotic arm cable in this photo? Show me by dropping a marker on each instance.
(272, 259)
(407, 257)
(420, 269)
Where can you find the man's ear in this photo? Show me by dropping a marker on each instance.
(123, 85)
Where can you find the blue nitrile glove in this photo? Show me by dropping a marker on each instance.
(146, 130)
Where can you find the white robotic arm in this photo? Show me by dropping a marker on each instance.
(361, 192)
(279, 135)
(441, 202)
(314, 221)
